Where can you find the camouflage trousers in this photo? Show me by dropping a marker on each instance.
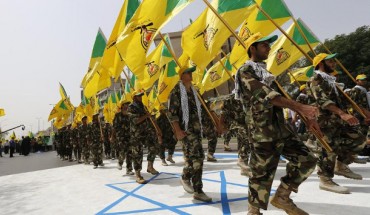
(68, 151)
(227, 136)
(107, 148)
(151, 142)
(346, 141)
(169, 144)
(125, 153)
(86, 153)
(114, 149)
(137, 154)
(77, 151)
(194, 157)
(97, 154)
(212, 141)
(243, 144)
(264, 161)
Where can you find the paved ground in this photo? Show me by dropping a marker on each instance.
(32, 162)
(79, 189)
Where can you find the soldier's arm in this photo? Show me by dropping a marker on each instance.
(173, 114)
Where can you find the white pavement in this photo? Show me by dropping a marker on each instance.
(80, 189)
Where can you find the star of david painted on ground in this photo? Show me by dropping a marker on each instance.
(177, 208)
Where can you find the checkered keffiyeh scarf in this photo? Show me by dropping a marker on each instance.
(185, 106)
(331, 80)
(260, 70)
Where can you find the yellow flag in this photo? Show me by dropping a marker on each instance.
(167, 81)
(257, 22)
(111, 59)
(302, 74)
(283, 52)
(2, 112)
(203, 39)
(154, 63)
(98, 80)
(216, 75)
(62, 91)
(138, 34)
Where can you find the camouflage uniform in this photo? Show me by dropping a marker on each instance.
(235, 119)
(360, 98)
(141, 134)
(83, 137)
(96, 145)
(192, 143)
(345, 140)
(168, 140)
(270, 138)
(121, 125)
(76, 144)
(68, 143)
(209, 131)
(107, 133)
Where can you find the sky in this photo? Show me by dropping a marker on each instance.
(44, 42)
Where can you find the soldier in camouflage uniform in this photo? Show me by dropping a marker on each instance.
(76, 144)
(340, 128)
(185, 113)
(96, 142)
(107, 134)
(169, 141)
(121, 126)
(83, 137)
(361, 97)
(234, 118)
(68, 143)
(142, 132)
(210, 132)
(270, 137)
(62, 145)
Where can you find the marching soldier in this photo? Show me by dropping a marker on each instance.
(185, 112)
(121, 125)
(96, 139)
(83, 137)
(261, 100)
(169, 141)
(107, 134)
(340, 128)
(76, 144)
(139, 126)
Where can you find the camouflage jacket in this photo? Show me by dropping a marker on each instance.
(266, 122)
(95, 134)
(165, 126)
(175, 110)
(74, 136)
(83, 134)
(107, 132)
(233, 113)
(360, 98)
(138, 130)
(325, 95)
(121, 125)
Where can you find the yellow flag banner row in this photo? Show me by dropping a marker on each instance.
(257, 22)
(284, 53)
(203, 39)
(149, 18)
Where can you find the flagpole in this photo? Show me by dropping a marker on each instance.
(179, 65)
(322, 141)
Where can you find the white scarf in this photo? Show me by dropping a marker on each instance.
(328, 78)
(185, 106)
(260, 70)
(363, 89)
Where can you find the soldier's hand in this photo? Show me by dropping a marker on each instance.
(180, 134)
(308, 111)
(312, 124)
(351, 120)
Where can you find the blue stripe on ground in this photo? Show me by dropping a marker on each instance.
(224, 199)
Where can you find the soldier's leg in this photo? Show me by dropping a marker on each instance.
(95, 156)
(227, 138)
(128, 159)
(212, 143)
(263, 163)
(161, 152)
(171, 149)
(153, 148)
(100, 155)
(243, 152)
(121, 152)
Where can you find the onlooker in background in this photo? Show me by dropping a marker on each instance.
(6, 147)
(12, 146)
